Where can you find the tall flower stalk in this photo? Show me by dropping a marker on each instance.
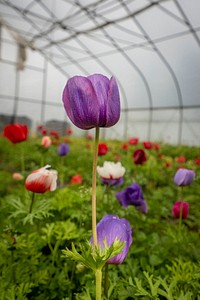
(98, 275)
(98, 272)
(106, 281)
(92, 102)
(181, 211)
(94, 179)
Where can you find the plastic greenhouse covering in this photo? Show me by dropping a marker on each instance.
(151, 47)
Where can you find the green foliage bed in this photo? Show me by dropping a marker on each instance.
(163, 261)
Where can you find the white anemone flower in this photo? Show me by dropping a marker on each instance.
(111, 170)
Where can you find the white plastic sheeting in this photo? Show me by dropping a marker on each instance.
(151, 47)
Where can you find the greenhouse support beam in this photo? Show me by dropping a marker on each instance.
(44, 87)
(125, 55)
(16, 97)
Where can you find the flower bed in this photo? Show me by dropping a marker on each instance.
(161, 263)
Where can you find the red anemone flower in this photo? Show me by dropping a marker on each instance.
(133, 141)
(125, 147)
(76, 179)
(69, 131)
(16, 133)
(42, 180)
(44, 131)
(39, 127)
(102, 149)
(147, 145)
(156, 146)
(197, 161)
(55, 134)
(167, 164)
(181, 159)
(139, 157)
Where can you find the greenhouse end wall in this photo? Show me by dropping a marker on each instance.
(36, 93)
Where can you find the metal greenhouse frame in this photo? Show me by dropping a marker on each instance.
(112, 37)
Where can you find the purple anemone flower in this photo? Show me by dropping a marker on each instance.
(63, 149)
(92, 101)
(113, 182)
(111, 227)
(143, 207)
(132, 195)
(184, 177)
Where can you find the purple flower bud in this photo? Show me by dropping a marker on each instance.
(63, 149)
(92, 101)
(111, 227)
(132, 195)
(184, 177)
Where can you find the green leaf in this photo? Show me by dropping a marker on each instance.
(91, 257)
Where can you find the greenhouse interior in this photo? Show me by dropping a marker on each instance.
(99, 149)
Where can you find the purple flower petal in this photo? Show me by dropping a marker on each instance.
(113, 182)
(143, 207)
(113, 104)
(63, 149)
(92, 101)
(121, 197)
(184, 177)
(100, 84)
(132, 195)
(111, 227)
(80, 102)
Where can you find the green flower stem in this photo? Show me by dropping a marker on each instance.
(106, 281)
(62, 160)
(98, 275)
(31, 205)
(55, 250)
(42, 159)
(12, 265)
(22, 158)
(94, 172)
(180, 219)
(181, 212)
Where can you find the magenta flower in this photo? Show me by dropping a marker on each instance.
(184, 177)
(108, 229)
(92, 101)
(177, 207)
